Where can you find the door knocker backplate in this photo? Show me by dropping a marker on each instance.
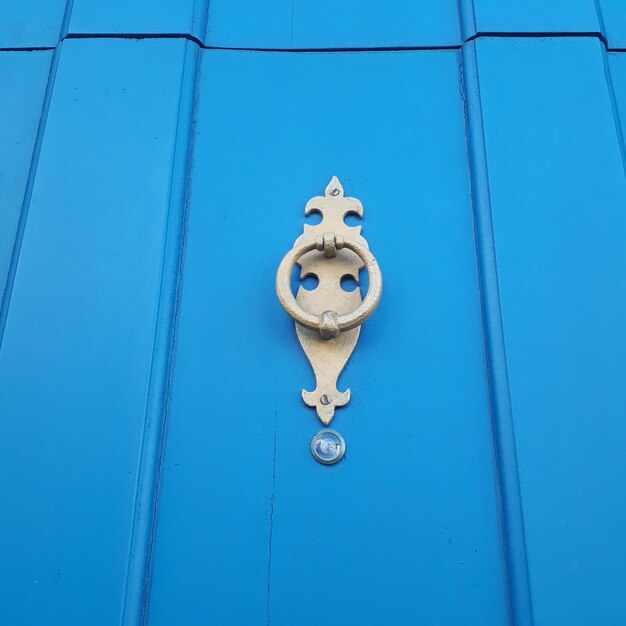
(328, 318)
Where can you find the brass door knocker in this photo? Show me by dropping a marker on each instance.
(328, 319)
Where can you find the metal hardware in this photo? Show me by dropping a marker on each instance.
(328, 319)
(328, 324)
(328, 447)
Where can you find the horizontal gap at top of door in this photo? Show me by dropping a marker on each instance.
(200, 44)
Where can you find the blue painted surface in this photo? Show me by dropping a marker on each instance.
(143, 17)
(510, 503)
(306, 24)
(20, 113)
(328, 24)
(536, 16)
(237, 473)
(31, 23)
(154, 447)
(76, 357)
(287, 24)
(558, 194)
(617, 69)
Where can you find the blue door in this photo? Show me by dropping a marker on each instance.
(154, 453)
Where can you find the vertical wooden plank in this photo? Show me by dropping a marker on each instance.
(140, 551)
(139, 17)
(31, 23)
(76, 360)
(251, 529)
(327, 24)
(20, 113)
(536, 16)
(558, 193)
(510, 505)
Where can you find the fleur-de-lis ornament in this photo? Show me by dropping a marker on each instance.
(328, 318)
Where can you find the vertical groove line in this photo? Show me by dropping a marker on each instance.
(138, 576)
(467, 19)
(32, 172)
(517, 586)
(619, 128)
(601, 24)
(200, 21)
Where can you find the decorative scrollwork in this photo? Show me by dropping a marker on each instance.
(323, 312)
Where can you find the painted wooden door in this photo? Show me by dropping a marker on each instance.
(156, 159)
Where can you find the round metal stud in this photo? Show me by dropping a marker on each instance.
(328, 447)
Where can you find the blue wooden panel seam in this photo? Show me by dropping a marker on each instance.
(512, 517)
(142, 539)
(19, 234)
(20, 107)
(469, 33)
(27, 48)
(467, 25)
(138, 36)
(619, 127)
(467, 19)
(612, 17)
(601, 21)
(200, 19)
